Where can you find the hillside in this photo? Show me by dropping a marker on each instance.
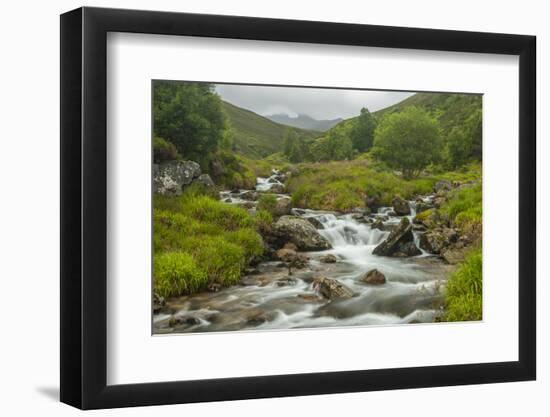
(256, 136)
(450, 109)
(303, 121)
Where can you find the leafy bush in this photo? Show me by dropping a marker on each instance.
(408, 141)
(463, 294)
(164, 150)
(176, 273)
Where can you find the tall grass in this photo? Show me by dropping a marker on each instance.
(198, 240)
(344, 185)
(463, 294)
(465, 207)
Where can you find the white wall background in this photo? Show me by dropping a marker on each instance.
(29, 226)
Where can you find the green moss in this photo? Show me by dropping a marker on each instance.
(463, 294)
(425, 215)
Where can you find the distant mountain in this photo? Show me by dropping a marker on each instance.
(256, 136)
(303, 121)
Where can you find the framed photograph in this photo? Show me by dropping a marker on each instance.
(256, 208)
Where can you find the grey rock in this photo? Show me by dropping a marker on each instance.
(401, 206)
(205, 180)
(172, 176)
(399, 236)
(374, 277)
(332, 289)
(300, 232)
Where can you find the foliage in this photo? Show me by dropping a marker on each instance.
(295, 147)
(464, 141)
(463, 294)
(164, 150)
(189, 115)
(362, 132)
(336, 145)
(216, 241)
(408, 141)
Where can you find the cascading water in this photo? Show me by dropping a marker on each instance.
(269, 298)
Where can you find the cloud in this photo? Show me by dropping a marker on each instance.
(319, 103)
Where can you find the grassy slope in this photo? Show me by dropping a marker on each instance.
(257, 136)
(343, 185)
(450, 109)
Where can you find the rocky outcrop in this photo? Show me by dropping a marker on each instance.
(277, 188)
(169, 178)
(374, 277)
(315, 222)
(331, 289)
(398, 242)
(249, 195)
(437, 240)
(401, 206)
(300, 232)
(378, 224)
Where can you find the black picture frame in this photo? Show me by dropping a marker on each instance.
(84, 207)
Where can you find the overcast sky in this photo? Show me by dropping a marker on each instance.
(319, 103)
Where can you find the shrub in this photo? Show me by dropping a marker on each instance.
(463, 295)
(163, 150)
(176, 273)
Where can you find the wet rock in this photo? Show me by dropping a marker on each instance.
(378, 224)
(213, 287)
(407, 249)
(298, 211)
(372, 201)
(374, 277)
(272, 180)
(158, 303)
(227, 200)
(401, 206)
(455, 255)
(183, 321)
(172, 176)
(332, 289)
(422, 206)
(299, 232)
(283, 207)
(250, 195)
(310, 297)
(435, 241)
(398, 237)
(328, 259)
(255, 317)
(442, 185)
(284, 282)
(277, 188)
(315, 222)
(205, 181)
(291, 258)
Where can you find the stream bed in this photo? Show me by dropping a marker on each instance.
(269, 298)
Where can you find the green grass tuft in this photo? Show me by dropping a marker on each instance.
(463, 295)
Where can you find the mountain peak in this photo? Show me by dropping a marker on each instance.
(304, 121)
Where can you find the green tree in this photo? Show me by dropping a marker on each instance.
(189, 115)
(362, 133)
(295, 147)
(334, 146)
(408, 141)
(459, 147)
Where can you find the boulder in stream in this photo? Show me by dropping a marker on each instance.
(299, 232)
(332, 289)
(283, 206)
(374, 277)
(277, 188)
(401, 206)
(328, 259)
(437, 240)
(397, 242)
